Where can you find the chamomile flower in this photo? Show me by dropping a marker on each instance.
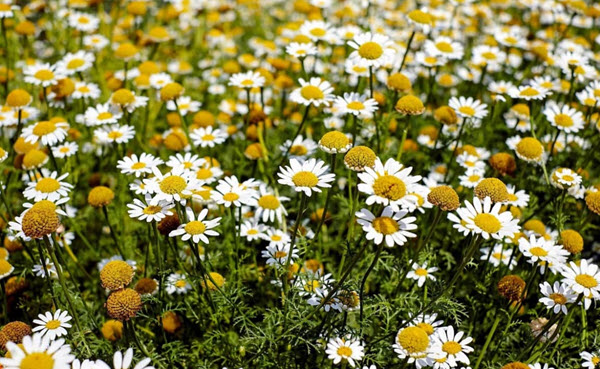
(183, 104)
(230, 191)
(47, 132)
(389, 184)
(313, 92)
(317, 30)
(372, 50)
(356, 104)
(444, 47)
(301, 50)
(42, 74)
(345, 350)
(175, 185)
(468, 107)
(590, 359)
(269, 205)
(73, 63)
(247, 80)
(52, 325)
(279, 254)
(455, 346)
(276, 237)
(557, 296)
(421, 273)
(83, 22)
(484, 219)
(391, 226)
(144, 210)
(301, 147)
(208, 137)
(197, 228)
(564, 178)
(187, 161)
(114, 134)
(252, 230)
(49, 187)
(177, 283)
(139, 166)
(541, 251)
(564, 118)
(308, 177)
(517, 198)
(46, 270)
(102, 114)
(583, 278)
(529, 93)
(38, 350)
(499, 254)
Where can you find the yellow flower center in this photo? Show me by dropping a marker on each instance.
(113, 135)
(311, 92)
(44, 75)
(420, 16)
(298, 150)
(152, 209)
(203, 173)
(563, 120)
(305, 179)
(104, 115)
(344, 351)
(389, 187)
(586, 280)
(180, 283)
(75, 63)
(428, 328)
(370, 50)
(467, 110)
(231, 196)
(385, 225)
(172, 185)
(208, 137)
(445, 47)
(538, 251)
(44, 128)
(413, 339)
(37, 360)
(558, 298)
(195, 227)
(451, 347)
(268, 202)
(529, 91)
(275, 238)
(53, 324)
(596, 360)
(47, 185)
(318, 32)
(355, 105)
(488, 55)
(530, 148)
(247, 82)
(138, 165)
(487, 223)
(421, 272)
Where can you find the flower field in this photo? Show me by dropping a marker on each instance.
(243, 184)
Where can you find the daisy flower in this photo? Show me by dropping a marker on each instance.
(37, 350)
(269, 205)
(197, 228)
(301, 50)
(445, 47)
(65, 150)
(471, 178)
(186, 161)
(279, 254)
(390, 226)
(102, 114)
(79, 61)
(247, 80)
(484, 218)
(516, 198)
(177, 283)
(542, 251)
(48, 269)
(529, 93)
(299, 148)
(390, 185)
(468, 107)
(454, 346)
(307, 177)
(138, 166)
(421, 273)
(47, 132)
(316, 30)
(230, 191)
(83, 22)
(42, 74)
(184, 104)
(86, 90)
(143, 210)
(276, 237)
(208, 137)
(499, 254)
(372, 50)
(175, 185)
(127, 100)
(316, 92)
(114, 134)
(583, 278)
(564, 118)
(356, 104)
(557, 296)
(590, 359)
(52, 325)
(345, 349)
(564, 178)
(49, 187)
(252, 230)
